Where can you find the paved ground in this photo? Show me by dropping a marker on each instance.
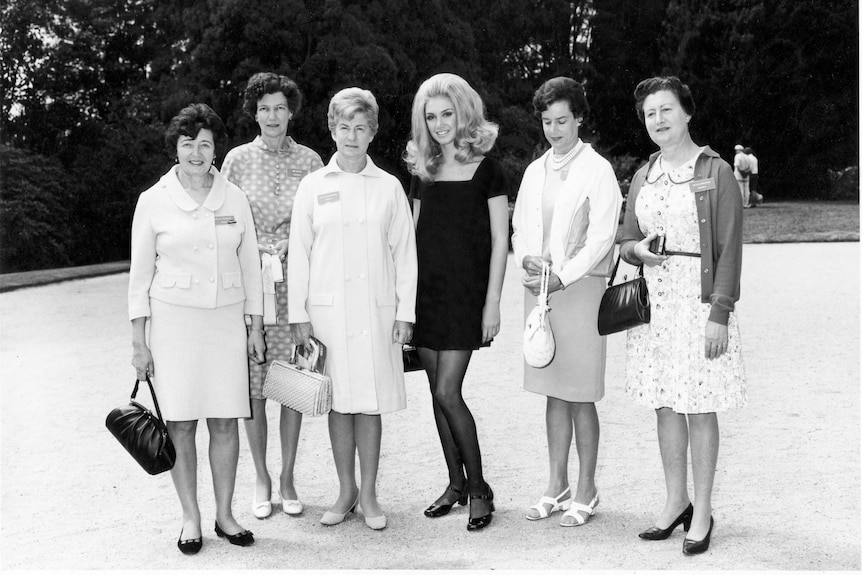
(787, 493)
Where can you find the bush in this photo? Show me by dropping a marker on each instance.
(35, 214)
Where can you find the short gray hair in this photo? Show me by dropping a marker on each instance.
(348, 102)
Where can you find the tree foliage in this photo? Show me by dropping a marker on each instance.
(87, 87)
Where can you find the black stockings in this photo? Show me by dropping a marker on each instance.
(455, 424)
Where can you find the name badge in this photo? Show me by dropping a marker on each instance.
(702, 185)
(326, 198)
(223, 220)
(298, 173)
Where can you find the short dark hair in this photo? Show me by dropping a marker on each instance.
(558, 89)
(747, 150)
(264, 83)
(659, 83)
(191, 120)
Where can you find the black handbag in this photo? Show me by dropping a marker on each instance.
(624, 306)
(411, 358)
(144, 435)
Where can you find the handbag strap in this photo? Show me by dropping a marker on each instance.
(152, 394)
(617, 265)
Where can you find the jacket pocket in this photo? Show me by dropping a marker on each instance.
(231, 280)
(178, 280)
(387, 300)
(320, 299)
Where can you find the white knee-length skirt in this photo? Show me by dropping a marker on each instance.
(200, 359)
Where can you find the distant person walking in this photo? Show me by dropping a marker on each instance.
(742, 171)
(756, 198)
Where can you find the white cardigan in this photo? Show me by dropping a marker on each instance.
(584, 224)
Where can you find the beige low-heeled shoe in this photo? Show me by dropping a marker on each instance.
(332, 518)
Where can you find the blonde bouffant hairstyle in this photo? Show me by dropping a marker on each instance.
(474, 135)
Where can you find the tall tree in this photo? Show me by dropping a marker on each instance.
(625, 49)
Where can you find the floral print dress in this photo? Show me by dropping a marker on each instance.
(666, 365)
(269, 178)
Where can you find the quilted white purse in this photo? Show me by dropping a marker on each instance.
(539, 344)
(306, 389)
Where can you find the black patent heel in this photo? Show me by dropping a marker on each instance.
(476, 523)
(656, 534)
(439, 510)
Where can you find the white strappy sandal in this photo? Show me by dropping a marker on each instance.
(555, 503)
(580, 512)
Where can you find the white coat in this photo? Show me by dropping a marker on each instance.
(352, 272)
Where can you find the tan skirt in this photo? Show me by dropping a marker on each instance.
(200, 359)
(577, 372)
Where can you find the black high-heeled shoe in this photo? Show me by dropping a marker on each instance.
(439, 510)
(656, 534)
(189, 546)
(476, 523)
(690, 547)
(243, 538)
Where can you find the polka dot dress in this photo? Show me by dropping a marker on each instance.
(665, 365)
(270, 178)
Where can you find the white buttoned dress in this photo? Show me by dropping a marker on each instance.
(352, 273)
(195, 273)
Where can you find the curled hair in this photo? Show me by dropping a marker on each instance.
(659, 83)
(189, 122)
(348, 102)
(263, 83)
(561, 89)
(474, 134)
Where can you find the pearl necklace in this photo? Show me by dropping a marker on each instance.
(557, 162)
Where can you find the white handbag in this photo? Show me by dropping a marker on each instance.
(539, 344)
(301, 384)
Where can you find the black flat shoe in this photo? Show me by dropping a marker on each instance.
(243, 538)
(476, 523)
(441, 509)
(189, 546)
(656, 534)
(690, 547)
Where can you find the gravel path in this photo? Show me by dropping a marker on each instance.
(787, 491)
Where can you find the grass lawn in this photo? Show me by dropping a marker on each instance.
(797, 221)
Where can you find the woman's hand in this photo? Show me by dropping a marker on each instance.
(402, 332)
(280, 249)
(532, 265)
(534, 282)
(256, 345)
(641, 251)
(490, 322)
(716, 340)
(301, 332)
(142, 360)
